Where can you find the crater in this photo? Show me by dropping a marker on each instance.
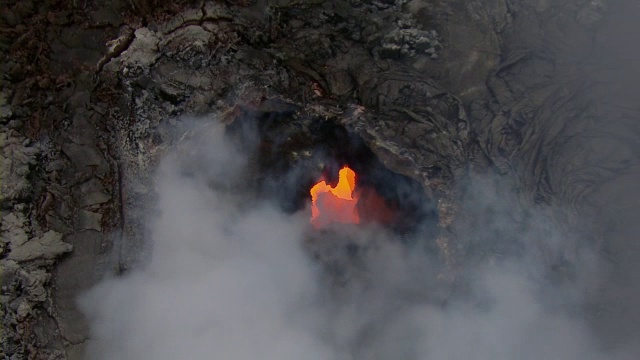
(291, 152)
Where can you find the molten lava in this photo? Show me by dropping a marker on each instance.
(335, 204)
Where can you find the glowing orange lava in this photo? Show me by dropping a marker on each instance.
(335, 204)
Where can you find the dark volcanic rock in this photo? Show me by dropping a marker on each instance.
(540, 93)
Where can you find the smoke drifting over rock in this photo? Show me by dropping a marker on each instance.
(228, 278)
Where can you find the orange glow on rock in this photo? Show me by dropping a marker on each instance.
(335, 204)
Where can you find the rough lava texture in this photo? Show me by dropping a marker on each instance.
(439, 90)
(27, 253)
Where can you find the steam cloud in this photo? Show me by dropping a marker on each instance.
(228, 278)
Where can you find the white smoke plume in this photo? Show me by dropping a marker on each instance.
(228, 278)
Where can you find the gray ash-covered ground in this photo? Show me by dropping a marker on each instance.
(542, 95)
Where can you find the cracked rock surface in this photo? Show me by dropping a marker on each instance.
(438, 90)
